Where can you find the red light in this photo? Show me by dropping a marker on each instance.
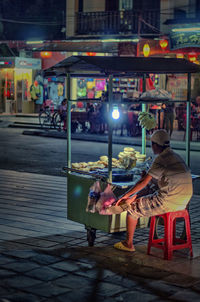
(163, 44)
(192, 56)
(46, 54)
(91, 54)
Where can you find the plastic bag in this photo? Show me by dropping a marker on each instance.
(107, 198)
(99, 200)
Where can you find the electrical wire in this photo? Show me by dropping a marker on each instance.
(31, 22)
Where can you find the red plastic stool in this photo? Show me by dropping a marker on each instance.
(170, 243)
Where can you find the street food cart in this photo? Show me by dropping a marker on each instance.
(78, 184)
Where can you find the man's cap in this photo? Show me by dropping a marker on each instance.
(161, 137)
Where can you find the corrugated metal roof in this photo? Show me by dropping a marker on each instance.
(123, 65)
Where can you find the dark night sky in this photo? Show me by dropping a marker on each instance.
(36, 19)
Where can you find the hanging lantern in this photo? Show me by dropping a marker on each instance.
(46, 54)
(192, 57)
(163, 44)
(91, 54)
(180, 56)
(146, 50)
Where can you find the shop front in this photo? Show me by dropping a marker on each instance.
(16, 77)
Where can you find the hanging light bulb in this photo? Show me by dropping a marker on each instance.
(115, 112)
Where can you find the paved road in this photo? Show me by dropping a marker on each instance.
(47, 155)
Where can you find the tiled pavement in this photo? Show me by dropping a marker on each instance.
(45, 257)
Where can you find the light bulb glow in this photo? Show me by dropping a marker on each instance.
(115, 113)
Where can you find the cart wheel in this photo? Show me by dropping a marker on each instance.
(91, 235)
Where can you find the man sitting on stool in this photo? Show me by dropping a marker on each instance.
(174, 189)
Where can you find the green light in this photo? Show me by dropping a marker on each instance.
(186, 29)
(34, 42)
(78, 191)
(120, 40)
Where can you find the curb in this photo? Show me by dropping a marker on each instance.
(177, 145)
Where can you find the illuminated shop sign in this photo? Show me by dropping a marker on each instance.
(28, 63)
(6, 64)
(184, 39)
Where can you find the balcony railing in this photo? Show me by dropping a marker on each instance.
(118, 22)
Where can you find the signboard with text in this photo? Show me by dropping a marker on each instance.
(28, 63)
(184, 39)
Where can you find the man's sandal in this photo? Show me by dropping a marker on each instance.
(120, 246)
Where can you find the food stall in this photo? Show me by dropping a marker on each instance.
(79, 181)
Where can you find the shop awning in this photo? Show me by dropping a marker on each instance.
(123, 66)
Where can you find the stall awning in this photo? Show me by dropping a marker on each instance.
(123, 66)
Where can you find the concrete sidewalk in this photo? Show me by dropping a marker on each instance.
(45, 257)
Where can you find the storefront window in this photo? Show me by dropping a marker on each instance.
(125, 4)
(23, 79)
(90, 88)
(7, 84)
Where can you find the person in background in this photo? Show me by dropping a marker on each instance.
(168, 122)
(90, 116)
(63, 112)
(198, 105)
(103, 112)
(173, 193)
(36, 91)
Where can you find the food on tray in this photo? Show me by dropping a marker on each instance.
(114, 159)
(129, 149)
(140, 157)
(75, 165)
(126, 160)
(104, 158)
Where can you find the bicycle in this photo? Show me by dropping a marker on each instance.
(46, 118)
(58, 122)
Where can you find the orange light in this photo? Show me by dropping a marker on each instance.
(46, 54)
(146, 50)
(163, 44)
(180, 55)
(192, 57)
(91, 54)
